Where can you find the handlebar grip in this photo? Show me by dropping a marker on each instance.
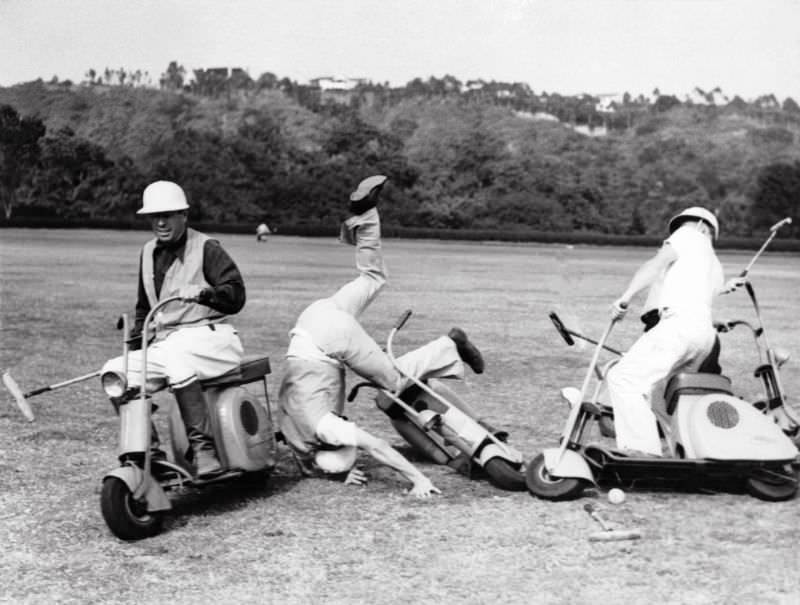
(403, 319)
(561, 328)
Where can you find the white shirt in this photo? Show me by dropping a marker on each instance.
(694, 278)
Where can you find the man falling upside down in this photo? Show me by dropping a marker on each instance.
(328, 337)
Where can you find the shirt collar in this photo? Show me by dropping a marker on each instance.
(177, 248)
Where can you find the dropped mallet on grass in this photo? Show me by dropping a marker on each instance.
(609, 534)
(21, 398)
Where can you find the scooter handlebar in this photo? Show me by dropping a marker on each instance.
(403, 319)
(354, 391)
(561, 328)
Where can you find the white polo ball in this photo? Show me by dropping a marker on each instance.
(616, 496)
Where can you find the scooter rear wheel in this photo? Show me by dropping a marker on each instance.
(504, 475)
(772, 488)
(542, 485)
(126, 518)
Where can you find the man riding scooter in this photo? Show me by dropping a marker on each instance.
(684, 276)
(193, 340)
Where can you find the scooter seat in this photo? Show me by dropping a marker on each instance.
(692, 383)
(252, 368)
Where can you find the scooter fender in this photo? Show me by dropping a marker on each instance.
(492, 450)
(133, 476)
(571, 466)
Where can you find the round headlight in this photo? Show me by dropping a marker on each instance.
(114, 384)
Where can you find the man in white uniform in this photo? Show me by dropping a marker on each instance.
(327, 337)
(684, 277)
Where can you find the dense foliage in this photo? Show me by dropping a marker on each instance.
(488, 157)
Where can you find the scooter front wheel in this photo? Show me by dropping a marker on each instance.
(128, 519)
(542, 485)
(504, 475)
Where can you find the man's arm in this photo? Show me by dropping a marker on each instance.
(645, 275)
(227, 292)
(386, 454)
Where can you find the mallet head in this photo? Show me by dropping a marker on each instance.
(19, 398)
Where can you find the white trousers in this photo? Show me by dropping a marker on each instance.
(186, 354)
(677, 342)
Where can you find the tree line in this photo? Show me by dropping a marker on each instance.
(456, 161)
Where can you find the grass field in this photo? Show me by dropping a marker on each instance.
(298, 541)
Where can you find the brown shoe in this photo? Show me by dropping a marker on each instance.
(467, 351)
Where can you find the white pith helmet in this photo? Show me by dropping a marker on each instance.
(695, 213)
(163, 196)
(340, 460)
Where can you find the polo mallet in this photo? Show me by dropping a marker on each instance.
(609, 534)
(21, 398)
(772, 232)
(567, 334)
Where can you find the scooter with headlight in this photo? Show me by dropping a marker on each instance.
(134, 496)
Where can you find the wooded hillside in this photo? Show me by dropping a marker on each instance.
(289, 155)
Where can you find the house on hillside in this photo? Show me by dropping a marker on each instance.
(608, 102)
(337, 90)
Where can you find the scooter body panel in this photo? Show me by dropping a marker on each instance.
(722, 427)
(244, 433)
(134, 416)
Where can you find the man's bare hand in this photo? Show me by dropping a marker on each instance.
(423, 488)
(355, 477)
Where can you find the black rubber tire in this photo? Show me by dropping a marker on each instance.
(773, 489)
(126, 518)
(504, 475)
(420, 441)
(542, 486)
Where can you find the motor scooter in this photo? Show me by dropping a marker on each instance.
(436, 422)
(134, 497)
(710, 436)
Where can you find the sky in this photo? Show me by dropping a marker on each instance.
(745, 47)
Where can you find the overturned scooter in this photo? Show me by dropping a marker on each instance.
(442, 427)
(134, 495)
(710, 436)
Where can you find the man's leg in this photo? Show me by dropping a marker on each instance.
(363, 231)
(651, 359)
(193, 354)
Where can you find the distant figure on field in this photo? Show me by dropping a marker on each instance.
(193, 339)
(262, 231)
(327, 337)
